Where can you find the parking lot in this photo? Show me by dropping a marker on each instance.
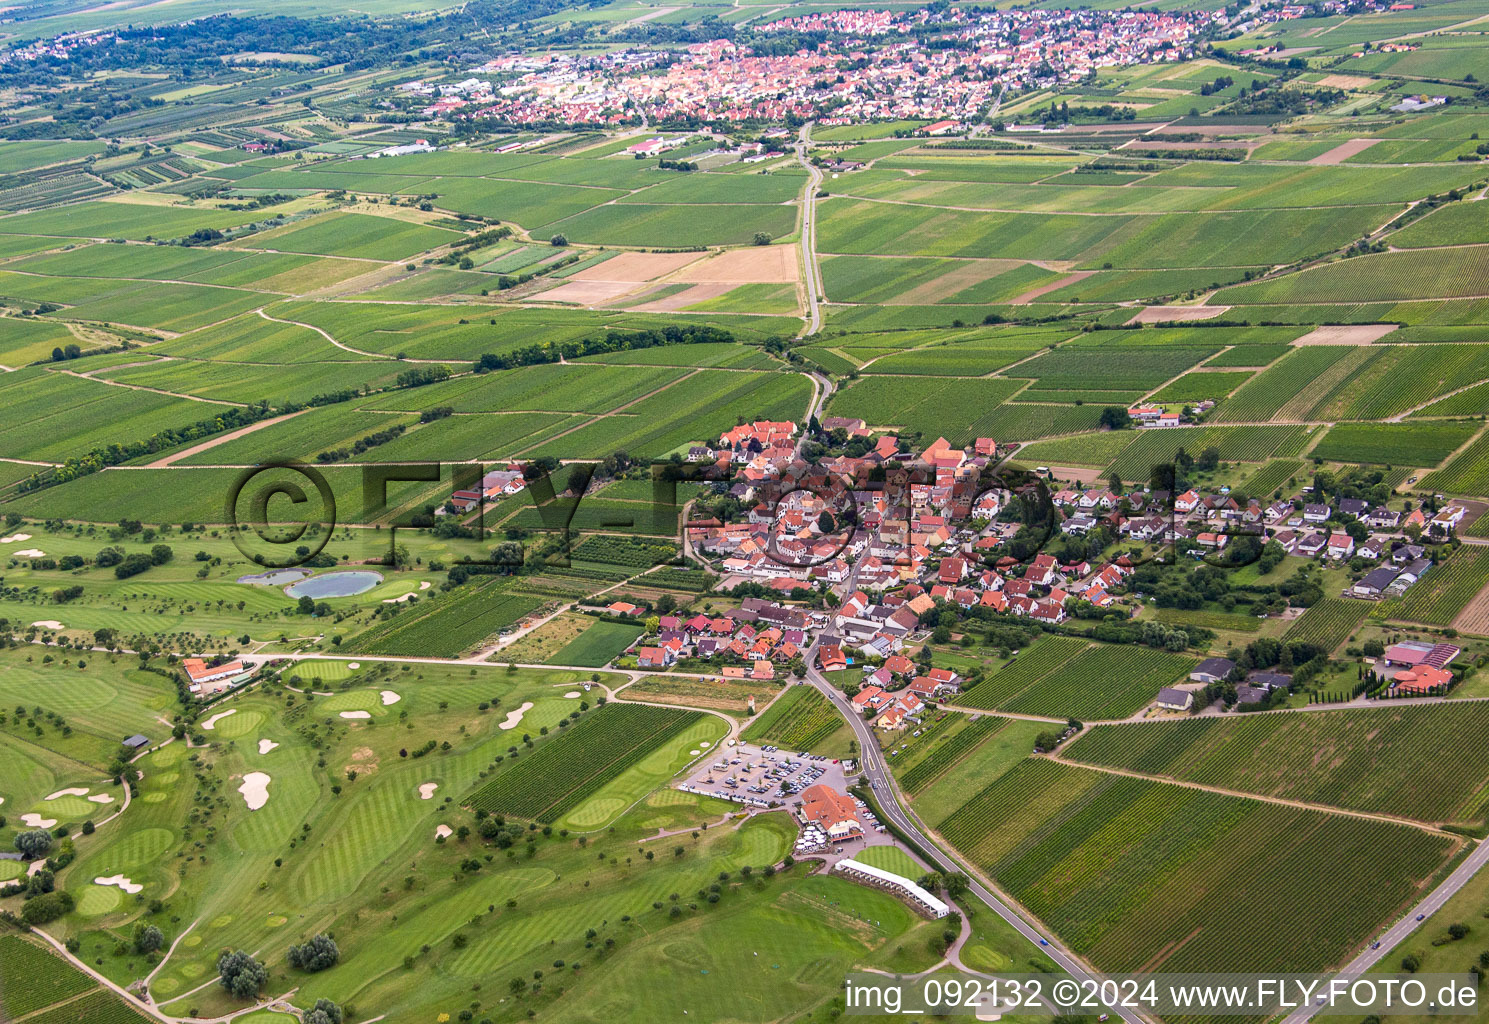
(758, 776)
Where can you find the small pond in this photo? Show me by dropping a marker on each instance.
(275, 578)
(335, 584)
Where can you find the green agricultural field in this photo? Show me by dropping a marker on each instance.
(32, 977)
(598, 645)
(1416, 274)
(1329, 623)
(920, 404)
(1468, 473)
(448, 625)
(1115, 866)
(1438, 597)
(1403, 444)
(1347, 758)
(1057, 677)
(358, 235)
(802, 719)
(562, 772)
(1197, 387)
(1235, 444)
(1115, 367)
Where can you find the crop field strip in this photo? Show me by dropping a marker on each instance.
(799, 720)
(1140, 874)
(947, 752)
(1347, 758)
(446, 627)
(1329, 622)
(1065, 677)
(565, 769)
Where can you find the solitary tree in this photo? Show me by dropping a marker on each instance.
(240, 974)
(34, 845)
(315, 955)
(147, 938)
(324, 1012)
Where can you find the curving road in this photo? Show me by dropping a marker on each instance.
(887, 795)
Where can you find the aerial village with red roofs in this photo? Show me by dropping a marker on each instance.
(852, 561)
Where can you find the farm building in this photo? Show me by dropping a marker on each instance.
(214, 678)
(1171, 699)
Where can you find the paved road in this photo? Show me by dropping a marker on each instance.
(889, 804)
(809, 235)
(1393, 936)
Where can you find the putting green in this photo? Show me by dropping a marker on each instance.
(11, 869)
(237, 725)
(97, 900)
(353, 700)
(68, 808)
(320, 670)
(168, 755)
(980, 957)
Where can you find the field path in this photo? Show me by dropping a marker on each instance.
(344, 348)
(211, 443)
(1280, 801)
(809, 235)
(153, 391)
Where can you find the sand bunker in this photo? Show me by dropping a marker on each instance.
(389, 697)
(15, 537)
(122, 882)
(75, 791)
(572, 693)
(443, 832)
(356, 714)
(48, 624)
(100, 798)
(695, 753)
(424, 584)
(426, 791)
(31, 553)
(255, 790)
(211, 723)
(37, 821)
(513, 717)
(266, 745)
(354, 664)
(705, 744)
(400, 599)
